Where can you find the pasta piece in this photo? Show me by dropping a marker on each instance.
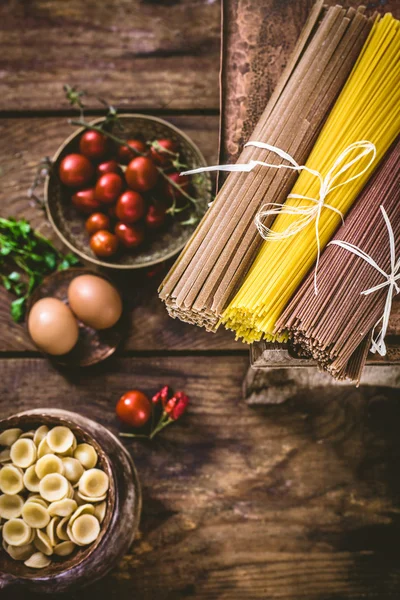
(60, 439)
(38, 561)
(61, 529)
(51, 530)
(11, 506)
(93, 483)
(20, 552)
(40, 434)
(63, 508)
(38, 499)
(64, 548)
(85, 509)
(71, 491)
(23, 453)
(53, 487)
(16, 532)
(92, 499)
(73, 469)
(43, 448)
(49, 463)
(35, 515)
(5, 456)
(86, 455)
(9, 436)
(11, 480)
(100, 511)
(85, 529)
(31, 480)
(27, 434)
(42, 543)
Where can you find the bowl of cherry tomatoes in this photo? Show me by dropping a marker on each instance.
(126, 206)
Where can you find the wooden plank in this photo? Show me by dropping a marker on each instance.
(28, 140)
(135, 54)
(298, 501)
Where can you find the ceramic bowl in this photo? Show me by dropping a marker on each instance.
(69, 224)
(120, 523)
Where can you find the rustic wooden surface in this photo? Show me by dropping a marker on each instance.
(296, 502)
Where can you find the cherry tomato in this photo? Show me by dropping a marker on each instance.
(76, 170)
(109, 166)
(133, 408)
(85, 201)
(155, 217)
(97, 221)
(130, 207)
(141, 174)
(164, 157)
(93, 145)
(103, 243)
(108, 188)
(172, 192)
(125, 154)
(130, 236)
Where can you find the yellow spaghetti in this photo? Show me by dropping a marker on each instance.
(367, 109)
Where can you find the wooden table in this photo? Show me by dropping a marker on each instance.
(298, 501)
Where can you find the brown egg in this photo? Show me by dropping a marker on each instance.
(52, 326)
(94, 301)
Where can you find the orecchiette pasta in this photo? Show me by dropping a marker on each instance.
(53, 499)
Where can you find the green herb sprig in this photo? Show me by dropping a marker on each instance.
(26, 257)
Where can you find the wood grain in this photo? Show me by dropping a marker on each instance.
(298, 501)
(136, 54)
(29, 140)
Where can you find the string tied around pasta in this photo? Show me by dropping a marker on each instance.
(306, 213)
(378, 341)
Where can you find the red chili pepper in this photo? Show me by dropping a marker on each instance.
(181, 402)
(161, 395)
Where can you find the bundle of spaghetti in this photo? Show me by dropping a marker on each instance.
(334, 326)
(214, 262)
(367, 109)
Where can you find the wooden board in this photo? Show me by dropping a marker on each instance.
(290, 502)
(147, 54)
(29, 140)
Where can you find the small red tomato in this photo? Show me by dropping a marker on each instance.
(109, 166)
(93, 145)
(108, 188)
(141, 174)
(85, 201)
(164, 152)
(130, 236)
(76, 170)
(97, 221)
(171, 191)
(103, 243)
(125, 154)
(155, 217)
(133, 408)
(130, 207)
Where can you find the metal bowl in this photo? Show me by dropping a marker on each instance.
(119, 527)
(69, 223)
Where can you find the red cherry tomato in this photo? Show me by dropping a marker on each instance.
(155, 217)
(108, 188)
(125, 154)
(109, 166)
(76, 170)
(96, 222)
(130, 207)
(103, 243)
(130, 236)
(134, 408)
(141, 174)
(172, 192)
(85, 201)
(165, 154)
(93, 145)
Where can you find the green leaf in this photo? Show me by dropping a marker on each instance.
(51, 260)
(18, 309)
(14, 276)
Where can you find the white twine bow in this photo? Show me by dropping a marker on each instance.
(307, 213)
(378, 343)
